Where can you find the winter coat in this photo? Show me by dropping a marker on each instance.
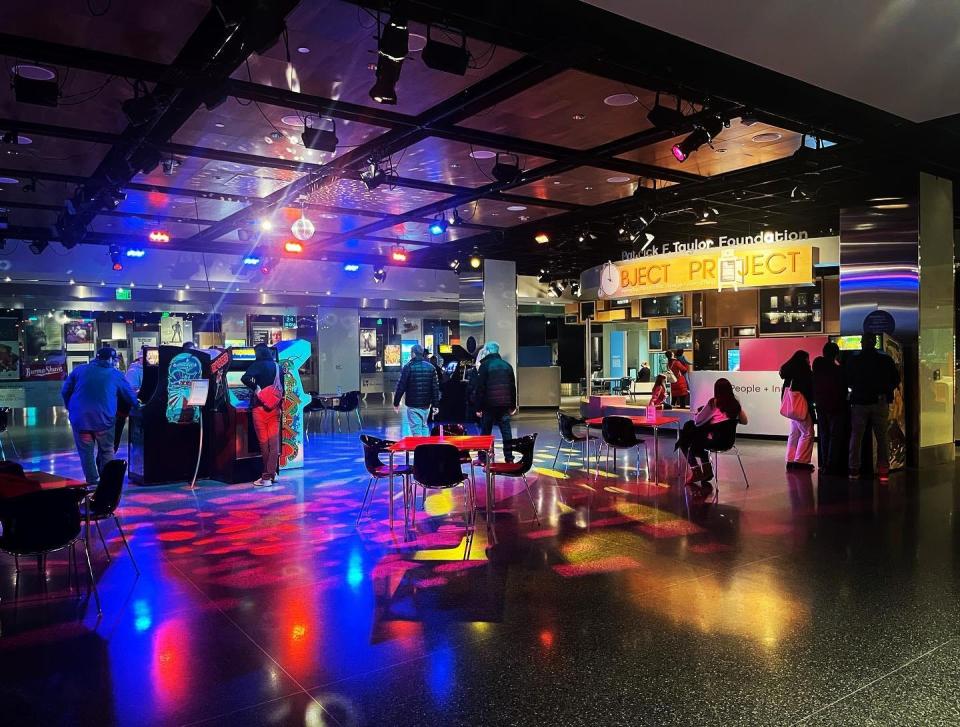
(679, 369)
(496, 386)
(91, 392)
(419, 383)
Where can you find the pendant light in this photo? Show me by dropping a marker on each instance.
(303, 228)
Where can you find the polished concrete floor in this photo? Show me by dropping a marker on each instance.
(800, 600)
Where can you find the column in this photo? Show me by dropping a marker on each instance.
(500, 306)
(338, 349)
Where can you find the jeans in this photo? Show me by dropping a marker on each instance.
(831, 442)
(800, 441)
(501, 417)
(417, 421)
(266, 424)
(876, 416)
(93, 463)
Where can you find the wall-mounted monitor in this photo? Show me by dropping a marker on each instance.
(662, 306)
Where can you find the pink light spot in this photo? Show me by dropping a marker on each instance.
(603, 565)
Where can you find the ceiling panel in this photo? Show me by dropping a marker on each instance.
(222, 177)
(138, 228)
(504, 214)
(586, 186)
(366, 247)
(47, 192)
(420, 231)
(550, 111)
(354, 194)
(247, 127)
(323, 222)
(148, 30)
(159, 203)
(454, 162)
(342, 48)
(738, 147)
(60, 156)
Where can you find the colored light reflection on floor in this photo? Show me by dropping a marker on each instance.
(169, 672)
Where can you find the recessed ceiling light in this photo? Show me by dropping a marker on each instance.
(303, 49)
(454, 166)
(416, 42)
(618, 179)
(23, 140)
(620, 99)
(720, 150)
(588, 188)
(557, 181)
(766, 136)
(219, 125)
(579, 117)
(516, 208)
(293, 120)
(34, 73)
(483, 154)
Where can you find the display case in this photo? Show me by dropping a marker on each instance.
(791, 310)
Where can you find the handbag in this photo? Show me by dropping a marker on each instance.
(273, 394)
(669, 376)
(794, 405)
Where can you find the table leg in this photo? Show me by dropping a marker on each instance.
(656, 455)
(390, 498)
(490, 494)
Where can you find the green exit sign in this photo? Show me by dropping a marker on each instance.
(123, 294)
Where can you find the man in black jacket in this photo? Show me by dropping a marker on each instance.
(495, 396)
(830, 397)
(419, 384)
(872, 377)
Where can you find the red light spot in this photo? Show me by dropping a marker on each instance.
(293, 246)
(176, 536)
(546, 638)
(159, 236)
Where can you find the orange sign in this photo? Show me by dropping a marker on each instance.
(744, 266)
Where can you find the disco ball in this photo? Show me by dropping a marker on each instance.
(302, 229)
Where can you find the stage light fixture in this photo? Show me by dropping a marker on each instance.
(649, 239)
(143, 107)
(664, 117)
(446, 57)
(506, 172)
(705, 214)
(266, 224)
(801, 193)
(136, 252)
(40, 92)
(455, 220)
(379, 274)
(575, 289)
(321, 139)
(38, 246)
(455, 265)
(556, 288)
(398, 253)
(706, 130)
(476, 259)
(438, 226)
(115, 259)
(116, 197)
(392, 48)
(243, 235)
(252, 259)
(159, 236)
(350, 267)
(292, 246)
(541, 238)
(170, 166)
(373, 176)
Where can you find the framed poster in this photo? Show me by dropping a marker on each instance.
(679, 333)
(175, 331)
(656, 337)
(45, 334)
(789, 311)
(9, 360)
(391, 355)
(78, 332)
(368, 341)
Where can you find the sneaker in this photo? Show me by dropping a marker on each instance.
(261, 482)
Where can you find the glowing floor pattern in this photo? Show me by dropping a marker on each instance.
(628, 603)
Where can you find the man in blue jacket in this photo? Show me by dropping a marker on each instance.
(90, 394)
(420, 387)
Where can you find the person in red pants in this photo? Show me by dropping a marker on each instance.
(263, 374)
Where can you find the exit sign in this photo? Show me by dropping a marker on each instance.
(123, 294)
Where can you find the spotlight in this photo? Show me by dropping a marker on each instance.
(379, 274)
(141, 108)
(801, 193)
(398, 254)
(446, 57)
(170, 166)
(11, 137)
(321, 139)
(438, 226)
(542, 238)
(704, 133)
(40, 92)
(705, 214)
(556, 288)
(115, 258)
(575, 289)
(38, 246)
(392, 49)
(159, 236)
(266, 225)
(455, 266)
(293, 246)
(647, 217)
(265, 269)
(650, 239)
(475, 260)
(506, 172)
(373, 176)
(116, 197)
(351, 267)
(454, 220)
(252, 259)
(664, 117)
(135, 252)
(543, 278)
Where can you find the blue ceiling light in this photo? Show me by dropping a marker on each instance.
(438, 227)
(351, 267)
(251, 260)
(136, 252)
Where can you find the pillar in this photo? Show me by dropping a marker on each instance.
(488, 306)
(338, 349)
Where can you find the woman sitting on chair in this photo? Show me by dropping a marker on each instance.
(713, 420)
(658, 395)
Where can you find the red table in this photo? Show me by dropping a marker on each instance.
(655, 424)
(481, 443)
(12, 486)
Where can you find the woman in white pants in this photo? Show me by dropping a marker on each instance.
(797, 374)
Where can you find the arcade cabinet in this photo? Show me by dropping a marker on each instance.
(453, 385)
(165, 436)
(292, 354)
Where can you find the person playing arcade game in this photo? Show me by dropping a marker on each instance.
(263, 378)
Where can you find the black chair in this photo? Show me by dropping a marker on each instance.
(437, 467)
(11, 469)
(103, 503)
(619, 433)
(565, 425)
(525, 446)
(373, 447)
(311, 410)
(5, 429)
(42, 522)
(455, 430)
(626, 387)
(349, 404)
(723, 440)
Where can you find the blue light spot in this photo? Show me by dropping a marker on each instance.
(355, 570)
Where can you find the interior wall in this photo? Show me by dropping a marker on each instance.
(338, 349)
(730, 308)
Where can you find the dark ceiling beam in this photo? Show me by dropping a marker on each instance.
(108, 213)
